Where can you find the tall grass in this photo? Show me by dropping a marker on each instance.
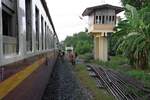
(114, 63)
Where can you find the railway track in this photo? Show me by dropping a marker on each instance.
(119, 87)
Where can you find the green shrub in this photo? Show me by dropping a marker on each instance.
(118, 60)
(87, 57)
(137, 74)
(114, 63)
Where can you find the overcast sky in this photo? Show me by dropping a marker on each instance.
(65, 14)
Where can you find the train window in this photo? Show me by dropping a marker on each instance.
(7, 24)
(10, 44)
(48, 38)
(45, 35)
(28, 25)
(42, 31)
(37, 27)
(52, 41)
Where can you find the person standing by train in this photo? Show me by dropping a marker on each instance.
(72, 58)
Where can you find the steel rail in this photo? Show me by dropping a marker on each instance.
(115, 85)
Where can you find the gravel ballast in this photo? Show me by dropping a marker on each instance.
(63, 84)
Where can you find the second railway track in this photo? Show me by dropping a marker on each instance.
(118, 86)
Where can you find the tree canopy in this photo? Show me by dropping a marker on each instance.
(138, 4)
(82, 42)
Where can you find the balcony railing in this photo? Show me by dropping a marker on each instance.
(101, 27)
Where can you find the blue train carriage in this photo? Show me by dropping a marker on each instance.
(28, 49)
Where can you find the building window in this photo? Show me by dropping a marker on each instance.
(37, 27)
(113, 18)
(97, 19)
(42, 32)
(10, 33)
(107, 20)
(110, 19)
(103, 20)
(100, 19)
(28, 25)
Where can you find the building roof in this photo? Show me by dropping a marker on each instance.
(90, 10)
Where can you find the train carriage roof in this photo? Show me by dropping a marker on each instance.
(48, 15)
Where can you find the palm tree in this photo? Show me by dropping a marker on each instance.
(134, 37)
